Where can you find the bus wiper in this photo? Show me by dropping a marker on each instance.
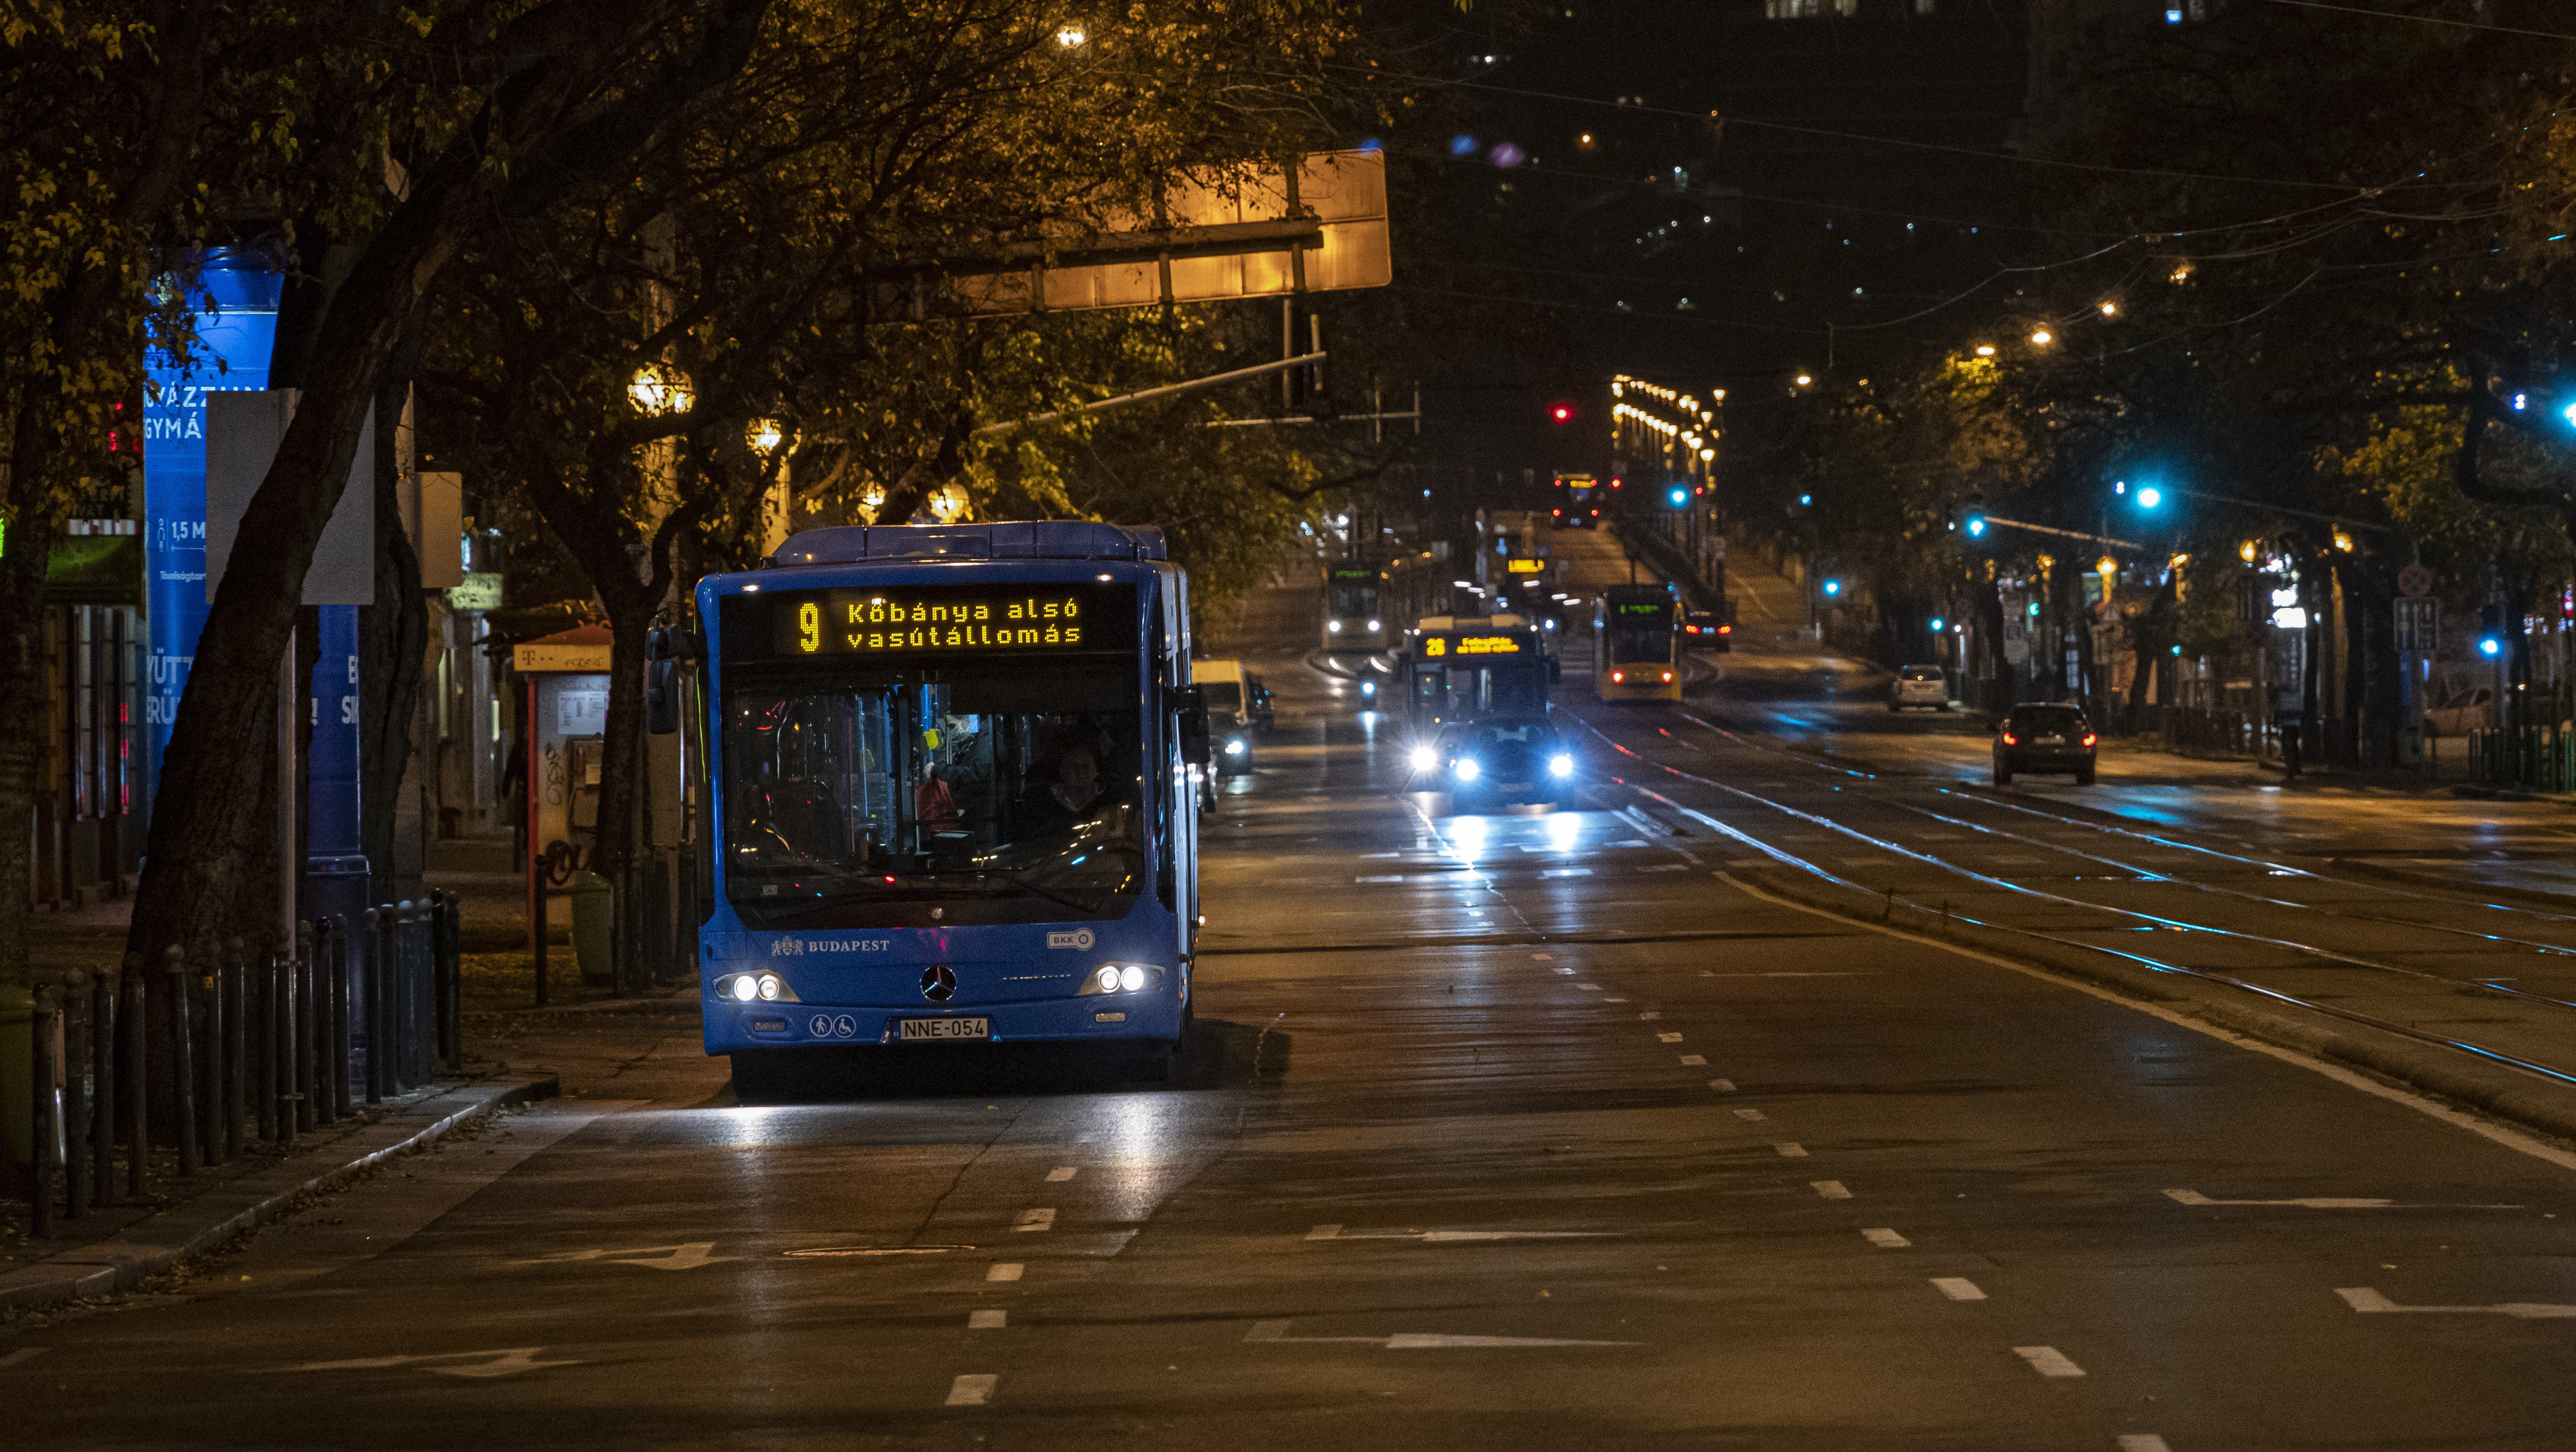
(1050, 894)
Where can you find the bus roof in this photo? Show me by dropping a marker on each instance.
(1039, 539)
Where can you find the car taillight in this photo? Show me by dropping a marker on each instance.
(2011, 740)
(1726, 630)
(2088, 738)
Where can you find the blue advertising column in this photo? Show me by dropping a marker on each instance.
(236, 326)
(335, 864)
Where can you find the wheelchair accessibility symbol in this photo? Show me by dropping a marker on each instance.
(831, 1026)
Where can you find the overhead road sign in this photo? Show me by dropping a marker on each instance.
(1319, 225)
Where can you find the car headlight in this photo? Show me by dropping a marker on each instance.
(1374, 627)
(1560, 765)
(1120, 978)
(751, 987)
(1234, 746)
(1425, 758)
(1466, 768)
(1368, 688)
(1333, 627)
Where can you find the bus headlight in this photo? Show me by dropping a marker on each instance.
(1466, 768)
(1425, 758)
(1234, 746)
(1120, 978)
(1333, 627)
(1560, 765)
(750, 987)
(1374, 627)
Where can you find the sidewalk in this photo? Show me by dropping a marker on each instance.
(117, 1248)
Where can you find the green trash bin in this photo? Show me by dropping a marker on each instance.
(594, 922)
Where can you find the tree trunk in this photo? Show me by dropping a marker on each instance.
(392, 633)
(23, 706)
(543, 122)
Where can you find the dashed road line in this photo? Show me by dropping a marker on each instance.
(1696, 1061)
(2142, 1442)
(1722, 1086)
(1751, 1116)
(1668, 1038)
(973, 1390)
(987, 1320)
(1041, 1219)
(1791, 1149)
(1007, 1270)
(1829, 1189)
(2048, 1361)
(1885, 1239)
(1958, 1288)
(1060, 1174)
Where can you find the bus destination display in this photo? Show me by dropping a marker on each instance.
(919, 619)
(1439, 645)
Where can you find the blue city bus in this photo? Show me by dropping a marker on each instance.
(951, 771)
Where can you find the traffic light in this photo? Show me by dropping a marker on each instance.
(1832, 588)
(1680, 497)
(1560, 413)
(2491, 631)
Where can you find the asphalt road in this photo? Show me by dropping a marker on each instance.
(1532, 1130)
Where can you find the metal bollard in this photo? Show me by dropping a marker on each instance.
(335, 1019)
(377, 941)
(237, 1078)
(264, 1057)
(74, 1107)
(138, 1070)
(102, 1106)
(183, 1068)
(306, 1080)
(48, 1110)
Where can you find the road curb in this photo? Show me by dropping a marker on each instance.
(2504, 1093)
(199, 1224)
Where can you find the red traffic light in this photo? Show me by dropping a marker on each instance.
(1560, 413)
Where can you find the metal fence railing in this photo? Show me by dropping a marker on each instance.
(203, 1058)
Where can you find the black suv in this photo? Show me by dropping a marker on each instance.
(2042, 737)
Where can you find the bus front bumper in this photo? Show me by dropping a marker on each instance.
(731, 1026)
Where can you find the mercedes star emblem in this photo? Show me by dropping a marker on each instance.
(937, 983)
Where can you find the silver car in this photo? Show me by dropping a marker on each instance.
(1919, 685)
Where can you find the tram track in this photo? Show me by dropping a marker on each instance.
(2486, 1052)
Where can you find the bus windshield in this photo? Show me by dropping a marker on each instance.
(1354, 597)
(957, 793)
(1640, 633)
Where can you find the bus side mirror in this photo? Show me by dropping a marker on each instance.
(1191, 717)
(662, 680)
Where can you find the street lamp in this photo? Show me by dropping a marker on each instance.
(659, 390)
(764, 435)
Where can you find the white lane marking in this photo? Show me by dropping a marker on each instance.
(1885, 1239)
(1567, 872)
(1751, 1116)
(2322, 1202)
(1668, 1038)
(1451, 1237)
(2512, 1139)
(987, 1320)
(1008, 1270)
(2363, 1298)
(1791, 1150)
(23, 1353)
(1396, 877)
(506, 1362)
(973, 1390)
(665, 1257)
(1958, 1288)
(2149, 1441)
(1829, 1189)
(1652, 1013)
(2048, 1361)
(1060, 1174)
(1035, 1220)
(1668, 867)
(1542, 957)
(1697, 1061)
(1722, 1086)
(1276, 1332)
(1589, 987)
